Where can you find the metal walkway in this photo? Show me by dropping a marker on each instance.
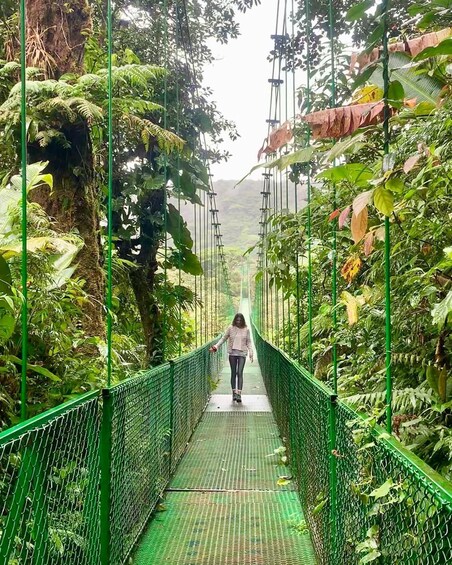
(223, 506)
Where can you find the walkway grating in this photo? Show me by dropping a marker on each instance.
(223, 506)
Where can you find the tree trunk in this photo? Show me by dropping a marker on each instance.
(74, 205)
(56, 37)
(142, 277)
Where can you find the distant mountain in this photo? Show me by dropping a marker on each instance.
(239, 211)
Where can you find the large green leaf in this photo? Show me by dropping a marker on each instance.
(354, 173)
(5, 277)
(300, 156)
(35, 368)
(35, 177)
(420, 86)
(7, 324)
(358, 10)
(443, 48)
(441, 311)
(177, 228)
(187, 261)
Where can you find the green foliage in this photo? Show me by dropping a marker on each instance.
(411, 187)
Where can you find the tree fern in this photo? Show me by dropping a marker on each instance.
(147, 130)
(412, 400)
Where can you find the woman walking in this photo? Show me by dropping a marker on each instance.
(239, 345)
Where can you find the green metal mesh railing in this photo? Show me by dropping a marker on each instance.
(391, 508)
(49, 487)
(78, 483)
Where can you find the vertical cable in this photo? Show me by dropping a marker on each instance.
(178, 188)
(165, 193)
(334, 221)
(24, 222)
(297, 259)
(387, 251)
(333, 397)
(195, 230)
(308, 180)
(109, 190)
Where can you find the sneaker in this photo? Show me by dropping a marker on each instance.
(234, 396)
(238, 397)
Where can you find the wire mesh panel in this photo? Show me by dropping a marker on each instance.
(381, 503)
(49, 487)
(386, 499)
(140, 454)
(152, 418)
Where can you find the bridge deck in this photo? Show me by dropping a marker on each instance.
(223, 506)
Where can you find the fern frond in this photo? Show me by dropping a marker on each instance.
(147, 130)
(86, 109)
(9, 68)
(59, 106)
(403, 400)
(137, 76)
(44, 138)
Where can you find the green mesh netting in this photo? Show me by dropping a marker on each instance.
(49, 487)
(60, 469)
(391, 508)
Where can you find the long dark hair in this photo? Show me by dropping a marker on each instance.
(238, 317)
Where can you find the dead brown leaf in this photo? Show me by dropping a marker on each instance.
(412, 46)
(278, 138)
(342, 121)
(411, 162)
(359, 225)
(369, 243)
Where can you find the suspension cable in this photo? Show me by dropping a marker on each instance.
(24, 219)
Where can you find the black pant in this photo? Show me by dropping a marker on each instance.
(237, 363)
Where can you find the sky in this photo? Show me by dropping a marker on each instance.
(239, 78)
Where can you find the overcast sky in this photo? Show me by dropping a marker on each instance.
(238, 78)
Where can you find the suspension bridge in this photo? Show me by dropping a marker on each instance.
(162, 468)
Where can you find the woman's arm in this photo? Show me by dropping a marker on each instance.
(227, 333)
(249, 345)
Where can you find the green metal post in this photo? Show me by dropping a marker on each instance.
(110, 190)
(308, 184)
(24, 266)
(387, 253)
(334, 221)
(105, 476)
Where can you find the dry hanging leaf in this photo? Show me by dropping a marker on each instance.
(334, 214)
(361, 201)
(359, 225)
(411, 162)
(352, 307)
(369, 243)
(278, 138)
(380, 233)
(343, 216)
(351, 268)
(342, 121)
(413, 47)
